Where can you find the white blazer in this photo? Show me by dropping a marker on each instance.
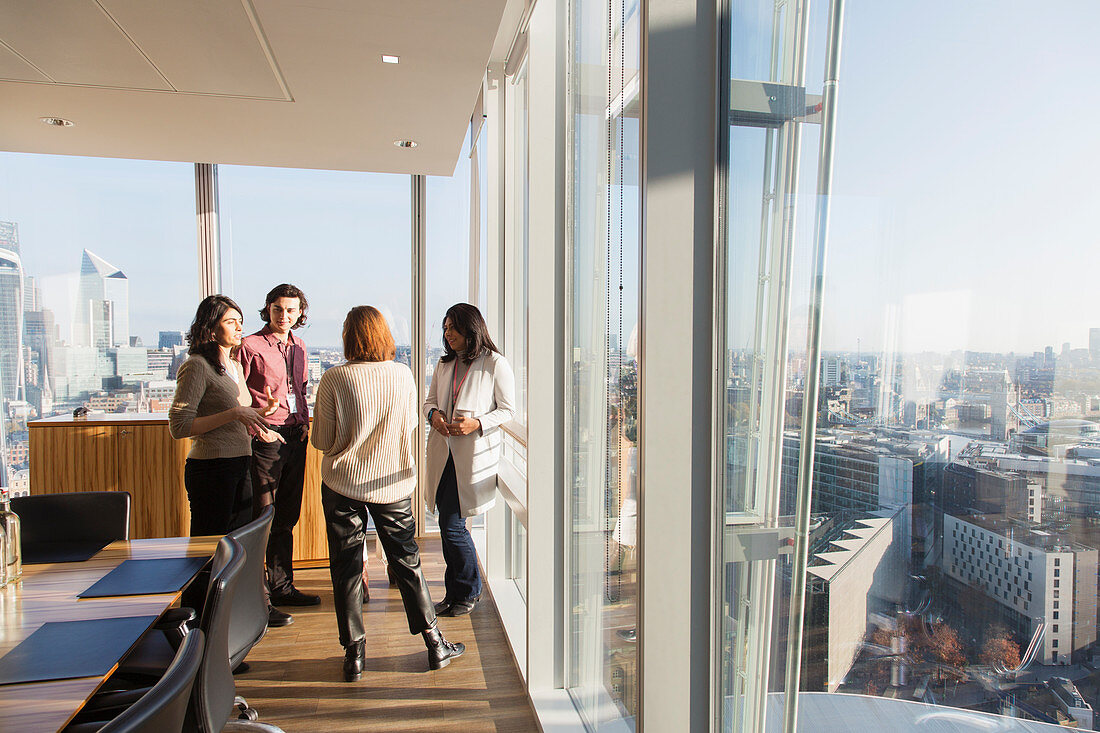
(488, 394)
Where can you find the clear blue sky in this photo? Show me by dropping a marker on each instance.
(342, 237)
(964, 184)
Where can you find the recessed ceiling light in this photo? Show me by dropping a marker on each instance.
(56, 121)
(405, 143)
(388, 59)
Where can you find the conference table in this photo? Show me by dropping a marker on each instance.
(50, 593)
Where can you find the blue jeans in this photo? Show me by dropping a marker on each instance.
(462, 581)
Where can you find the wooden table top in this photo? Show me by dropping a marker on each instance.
(48, 592)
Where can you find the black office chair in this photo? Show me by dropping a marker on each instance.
(214, 693)
(79, 516)
(249, 622)
(247, 625)
(163, 707)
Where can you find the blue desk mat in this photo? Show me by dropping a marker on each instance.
(37, 553)
(146, 577)
(61, 650)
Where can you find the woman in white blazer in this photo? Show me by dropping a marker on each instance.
(472, 394)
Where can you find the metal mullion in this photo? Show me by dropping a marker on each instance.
(774, 386)
(206, 219)
(813, 365)
(418, 242)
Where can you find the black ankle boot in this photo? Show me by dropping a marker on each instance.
(355, 658)
(441, 651)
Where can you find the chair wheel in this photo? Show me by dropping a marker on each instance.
(249, 714)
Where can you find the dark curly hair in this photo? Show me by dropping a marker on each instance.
(200, 338)
(467, 320)
(286, 290)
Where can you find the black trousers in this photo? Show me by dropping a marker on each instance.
(278, 474)
(345, 522)
(219, 491)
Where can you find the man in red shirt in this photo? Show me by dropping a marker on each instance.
(275, 359)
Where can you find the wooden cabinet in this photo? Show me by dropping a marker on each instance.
(150, 467)
(136, 453)
(96, 454)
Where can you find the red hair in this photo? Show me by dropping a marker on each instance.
(366, 335)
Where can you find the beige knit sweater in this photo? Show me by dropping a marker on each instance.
(201, 391)
(364, 422)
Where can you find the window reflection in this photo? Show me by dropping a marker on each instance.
(605, 247)
(953, 542)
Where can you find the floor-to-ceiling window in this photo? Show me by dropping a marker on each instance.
(98, 283)
(343, 238)
(602, 424)
(946, 466)
(516, 244)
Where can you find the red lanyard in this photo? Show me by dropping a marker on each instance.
(454, 376)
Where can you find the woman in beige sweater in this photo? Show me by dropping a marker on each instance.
(365, 422)
(213, 408)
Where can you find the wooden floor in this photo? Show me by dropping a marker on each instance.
(295, 678)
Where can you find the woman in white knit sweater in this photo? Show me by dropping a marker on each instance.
(365, 422)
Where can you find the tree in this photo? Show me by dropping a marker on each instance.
(999, 650)
(944, 646)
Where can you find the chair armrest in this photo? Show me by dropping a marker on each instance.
(175, 623)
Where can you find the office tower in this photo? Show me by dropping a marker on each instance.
(168, 339)
(102, 306)
(38, 334)
(32, 294)
(831, 371)
(1034, 576)
(11, 313)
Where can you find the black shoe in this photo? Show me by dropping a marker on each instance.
(628, 635)
(276, 618)
(294, 597)
(459, 608)
(355, 659)
(443, 607)
(441, 651)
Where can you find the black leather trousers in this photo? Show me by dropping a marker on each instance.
(345, 522)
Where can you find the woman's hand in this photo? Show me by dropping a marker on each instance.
(252, 418)
(464, 426)
(272, 403)
(439, 424)
(270, 436)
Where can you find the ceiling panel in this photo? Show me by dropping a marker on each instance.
(205, 46)
(13, 67)
(346, 107)
(74, 42)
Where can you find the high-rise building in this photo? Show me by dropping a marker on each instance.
(168, 339)
(102, 306)
(11, 313)
(1035, 577)
(32, 294)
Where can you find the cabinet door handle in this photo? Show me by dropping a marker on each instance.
(123, 432)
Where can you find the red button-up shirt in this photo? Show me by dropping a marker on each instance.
(268, 362)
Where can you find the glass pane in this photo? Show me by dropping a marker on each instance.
(98, 282)
(602, 672)
(518, 241)
(343, 238)
(447, 267)
(953, 537)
